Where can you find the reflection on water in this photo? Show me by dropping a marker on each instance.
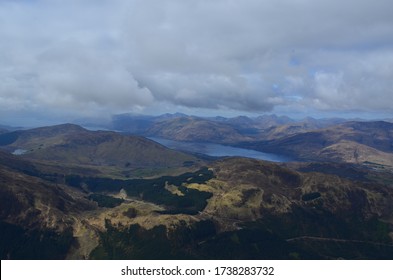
(217, 150)
(19, 152)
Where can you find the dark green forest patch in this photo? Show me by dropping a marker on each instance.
(311, 196)
(153, 190)
(196, 241)
(17, 243)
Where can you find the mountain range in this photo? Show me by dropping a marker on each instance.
(354, 142)
(216, 129)
(333, 140)
(70, 193)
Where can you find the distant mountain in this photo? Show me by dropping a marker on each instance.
(9, 128)
(182, 127)
(195, 129)
(288, 127)
(73, 145)
(171, 116)
(249, 127)
(139, 124)
(240, 120)
(276, 132)
(131, 123)
(218, 129)
(266, 121)
(324, 122)
(357, 142)
(254, 127)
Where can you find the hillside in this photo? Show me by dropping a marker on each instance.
(37, 217)
(237, 205)
(196, 130)
(357, 142)
(277, 132)
(74, 146)
(257, 207)
(31, 202)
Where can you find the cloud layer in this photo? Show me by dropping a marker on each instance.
(86, 58)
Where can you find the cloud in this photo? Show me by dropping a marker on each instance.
(89, 57)
(80, 75)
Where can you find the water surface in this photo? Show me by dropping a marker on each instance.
(19, 152)
(218, 150)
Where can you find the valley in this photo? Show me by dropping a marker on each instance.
(71, 193)
(218, 150)
(326, 140)
(196, 130)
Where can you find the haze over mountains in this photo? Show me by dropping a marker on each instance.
(309, 139)
(69, 192)
(245, 126)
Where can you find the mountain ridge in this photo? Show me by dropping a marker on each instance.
(355, 140)
(74, 145)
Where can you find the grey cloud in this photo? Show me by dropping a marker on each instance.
(79, 57)
(329, 40)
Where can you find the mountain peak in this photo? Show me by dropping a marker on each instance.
(49, 131)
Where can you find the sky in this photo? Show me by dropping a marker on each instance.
(80, 59)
